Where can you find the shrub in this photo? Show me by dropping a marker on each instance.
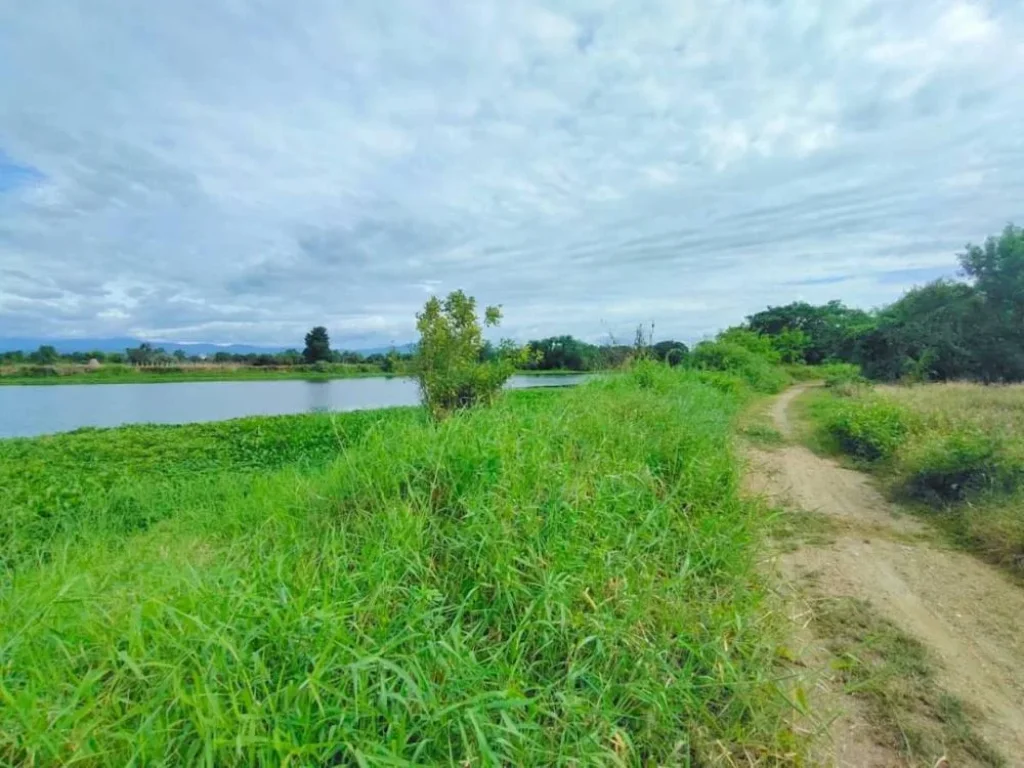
(739, 360)
(959, 464)
(870, 429)
(449, 354)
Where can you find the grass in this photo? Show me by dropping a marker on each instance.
(564, 578)
(955, 450)
(894, 675)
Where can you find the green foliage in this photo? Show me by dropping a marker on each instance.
(45, 355)
(830, 331)
(842, 378)
(941, 331)
(568, 574)
(926, 335)
(736, 356)
(61, 486)
(958, 464)
(562, 353)
(318, 346)
(956, 448)
(791, 345)
(672, 352)
(869, 428)
(761, 345)
(449, 355)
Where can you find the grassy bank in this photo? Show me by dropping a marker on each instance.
(565, 577)
(955, 449)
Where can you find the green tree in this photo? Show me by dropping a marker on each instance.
(791, 344)
(141, 355)
(45, 355)
(562, 353)
(448, 357)
(997, 272)
(671, 352)
(831, 329)
(932, 333)
(318, 346)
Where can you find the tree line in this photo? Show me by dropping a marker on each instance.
(555, 353)
(968, 328)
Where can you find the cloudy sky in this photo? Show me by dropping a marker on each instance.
(238, 170)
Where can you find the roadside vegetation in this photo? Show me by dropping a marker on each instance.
(954, 449)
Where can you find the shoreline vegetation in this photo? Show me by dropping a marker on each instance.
(114, 373)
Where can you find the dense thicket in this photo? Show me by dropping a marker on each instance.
(947, 329)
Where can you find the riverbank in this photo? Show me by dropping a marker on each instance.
(118, 374)
(568, 572)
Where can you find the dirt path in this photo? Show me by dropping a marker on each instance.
(968, 614)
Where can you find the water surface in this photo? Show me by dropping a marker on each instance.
(26, 411)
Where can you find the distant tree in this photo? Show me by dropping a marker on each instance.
(562, 353)
(831, 329)
(180, 356)
(997, 272)
(447, 361)
(290, 357)
(934, 332)
(791, 344)
(45, 355)
(141, 355)
(671, 352)
(758, 343)
(318, 346)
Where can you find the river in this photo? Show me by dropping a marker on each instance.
(27, 411)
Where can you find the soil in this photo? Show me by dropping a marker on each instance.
(967, 613)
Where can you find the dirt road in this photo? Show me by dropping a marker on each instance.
(967, 613)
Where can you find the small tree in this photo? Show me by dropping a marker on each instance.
(318, 346)
(449, 355)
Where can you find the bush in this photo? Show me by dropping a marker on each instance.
(959, 464)
(449, 354)
(869, 429)
(736, 359)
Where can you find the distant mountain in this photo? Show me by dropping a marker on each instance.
(69, 346)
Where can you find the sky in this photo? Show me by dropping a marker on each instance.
(240, 170)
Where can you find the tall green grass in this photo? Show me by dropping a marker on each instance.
(561, 579)
(959, 449)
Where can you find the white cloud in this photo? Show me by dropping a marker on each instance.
(206, 170)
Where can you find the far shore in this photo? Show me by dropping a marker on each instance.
(110, 374)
